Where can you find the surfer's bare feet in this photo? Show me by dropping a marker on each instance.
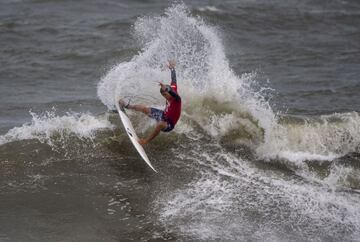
(123, 104)
(143, 141)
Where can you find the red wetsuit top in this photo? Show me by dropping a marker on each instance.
(173, 108)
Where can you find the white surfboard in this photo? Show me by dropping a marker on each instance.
(131, 133)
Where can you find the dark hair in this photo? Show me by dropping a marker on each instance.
(168, 88)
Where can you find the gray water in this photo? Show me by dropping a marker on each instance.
(267, 148)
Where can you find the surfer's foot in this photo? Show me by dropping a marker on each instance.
(123, 104)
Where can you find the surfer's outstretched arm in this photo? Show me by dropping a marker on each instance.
(159, 126)
(173, 76)
(171, 66)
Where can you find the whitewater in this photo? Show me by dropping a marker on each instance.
(221, 105)
(234, 168)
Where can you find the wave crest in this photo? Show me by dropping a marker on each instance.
(45, 127)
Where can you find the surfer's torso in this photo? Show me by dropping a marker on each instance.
(172, 110)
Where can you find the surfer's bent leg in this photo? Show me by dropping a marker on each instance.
(140, 108)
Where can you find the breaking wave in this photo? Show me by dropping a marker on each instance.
(45, 127)
(216, 99)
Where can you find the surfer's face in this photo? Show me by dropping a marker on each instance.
(166, 95)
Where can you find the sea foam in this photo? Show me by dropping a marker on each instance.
(44, 127)
(204, 74)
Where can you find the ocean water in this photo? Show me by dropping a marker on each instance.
(267, 147)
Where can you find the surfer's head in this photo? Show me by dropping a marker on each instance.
(165, 92)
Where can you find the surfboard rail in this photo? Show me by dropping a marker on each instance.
(132, 134)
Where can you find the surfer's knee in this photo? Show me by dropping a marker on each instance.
(146, 110)
(162, 125)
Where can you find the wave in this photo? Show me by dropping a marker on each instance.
(209, 9)
(230, 197)
(223, 104)
(202, 68)
(49, 125)
(232, 200)
(323, 138)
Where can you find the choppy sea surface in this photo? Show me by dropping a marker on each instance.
(267, 148)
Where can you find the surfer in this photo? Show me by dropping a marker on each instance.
(167, 118)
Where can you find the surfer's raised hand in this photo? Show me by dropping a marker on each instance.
(172, 64)
(163, 86)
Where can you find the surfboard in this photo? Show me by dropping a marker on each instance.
(131, 133)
